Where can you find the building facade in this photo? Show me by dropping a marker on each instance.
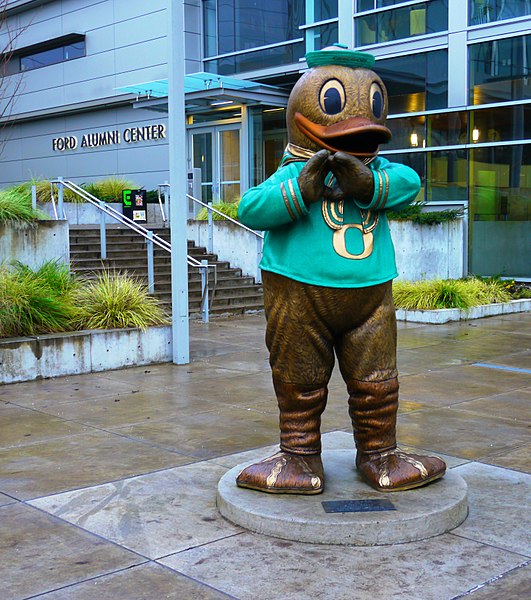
(93, 100)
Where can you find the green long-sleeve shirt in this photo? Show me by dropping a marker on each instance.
(331, 244)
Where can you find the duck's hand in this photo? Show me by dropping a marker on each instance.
(355, 180)
(312, 177)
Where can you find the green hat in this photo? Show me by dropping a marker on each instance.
(342, 57)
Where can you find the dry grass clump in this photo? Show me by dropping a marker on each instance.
(116, 300)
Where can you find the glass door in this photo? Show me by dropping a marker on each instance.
(216, 152)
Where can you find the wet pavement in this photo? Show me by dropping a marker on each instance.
(108, 481)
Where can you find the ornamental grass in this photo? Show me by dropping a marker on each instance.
(37, 301)
(449, 293)
(15, 207)
(115, 300)
(230, 209)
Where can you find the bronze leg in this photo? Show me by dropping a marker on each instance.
(302, 359)
(367, 357)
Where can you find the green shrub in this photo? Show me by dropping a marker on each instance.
(116, 300)
(15, 206)
(38, 301)
(413, 212)
(447, 293)
(227, 208)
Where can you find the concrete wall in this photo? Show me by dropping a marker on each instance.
(32, 246)
(53, 355)
(230, 242)
(422, 252)
(429, 251)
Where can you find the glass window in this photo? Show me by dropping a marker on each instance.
(415, 160)
(408, 132)
(446, 176)
(363, 5)
(324, 9)
(410, 21)
(52, 56)
(499, 70)
(415, 82)
(268, 135)
(261, 59)
(500, 124)
(500, 210)
(245, 24)
(318, 38)
(486, 11)
(448, 129)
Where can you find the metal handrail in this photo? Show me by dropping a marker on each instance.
(207, 206)
(149, 236)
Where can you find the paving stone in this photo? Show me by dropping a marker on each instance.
(155, 514)
(499, 507)
(78, 461)
(39, 553)
(6, 500)
(433, 569)
(460, 433)
(518, 459)
(514, 405)
(144, 582)
(514, 585)
(209, 434)
(23, 426)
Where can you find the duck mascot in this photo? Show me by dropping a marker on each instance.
(328, 264)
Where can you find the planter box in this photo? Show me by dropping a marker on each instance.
(429, 251)
(422, 251)
(446, 315)
(52, 355)
(32, 246)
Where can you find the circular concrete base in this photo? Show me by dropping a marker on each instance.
(420, 513)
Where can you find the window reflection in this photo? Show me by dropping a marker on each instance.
(410, 21)
(415, 160)
(52, 56)
(271, 57)
(268, 140)
(408, 132)
(499, 70)
(486, 11)
(318, 38)
(446, 176)
(416, 82)
(500, 124)
(500, 209)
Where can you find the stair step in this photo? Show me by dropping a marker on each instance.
(126, 252)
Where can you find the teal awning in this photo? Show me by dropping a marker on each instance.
(202, 90)
(196, 82)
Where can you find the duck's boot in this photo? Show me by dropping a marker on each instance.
(297, 468)
(373, 408)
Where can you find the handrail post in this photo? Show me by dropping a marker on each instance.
(161, 207)
(204, 291)
(259, 247)
(103, 233)
(60, 196)
(210, 229)
(34, 197)
(167, 199)
(150, 263)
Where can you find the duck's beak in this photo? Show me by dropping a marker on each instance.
(358, 136)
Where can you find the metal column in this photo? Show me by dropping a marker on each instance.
(178, 182)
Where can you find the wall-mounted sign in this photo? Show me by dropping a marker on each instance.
(129, 135)
(134, 205)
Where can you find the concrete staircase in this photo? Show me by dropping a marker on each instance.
(126, 252)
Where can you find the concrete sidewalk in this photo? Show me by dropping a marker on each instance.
(108, 481)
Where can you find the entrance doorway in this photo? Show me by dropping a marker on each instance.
(216, 151)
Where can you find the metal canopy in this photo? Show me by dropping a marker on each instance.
(207, 91)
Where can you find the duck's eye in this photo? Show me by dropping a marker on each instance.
(377, 100)
(332, 97)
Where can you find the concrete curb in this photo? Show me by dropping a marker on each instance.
(445, 315)
(57, 354)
